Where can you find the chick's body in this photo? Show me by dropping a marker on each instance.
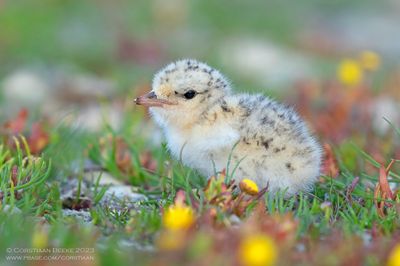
(273, 145)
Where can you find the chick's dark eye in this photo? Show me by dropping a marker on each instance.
(190, 94)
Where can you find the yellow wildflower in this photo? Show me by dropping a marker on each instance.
(249, 187)
(39, 238)
(349, 72)
(370, 60)
(394, 256)
(178, 217)
(257, 250)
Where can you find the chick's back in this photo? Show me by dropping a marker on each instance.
(275, 146)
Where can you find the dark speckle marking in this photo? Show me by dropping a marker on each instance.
(267, 143)
(169, 71)
(208, 70)
(301, 152)
(276, 150)
(289, 167)
(267, 120)
(224, 106)
(245, 141)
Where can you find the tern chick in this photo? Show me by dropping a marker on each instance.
(205, 124)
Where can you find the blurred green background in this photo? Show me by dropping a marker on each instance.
(258, 44)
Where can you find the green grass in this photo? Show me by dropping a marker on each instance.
(319, 213)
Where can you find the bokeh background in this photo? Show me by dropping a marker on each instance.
(79, 49)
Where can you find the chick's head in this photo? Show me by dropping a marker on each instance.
(183, 91)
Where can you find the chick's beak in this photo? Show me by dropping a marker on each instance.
(150, 99)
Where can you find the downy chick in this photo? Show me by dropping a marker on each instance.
(203, 121)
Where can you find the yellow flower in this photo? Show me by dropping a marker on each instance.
(349, 72)
(39, 238)
(257, 250)
(370, 60)
(249, 187)
(178, 217)
(394, 256)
